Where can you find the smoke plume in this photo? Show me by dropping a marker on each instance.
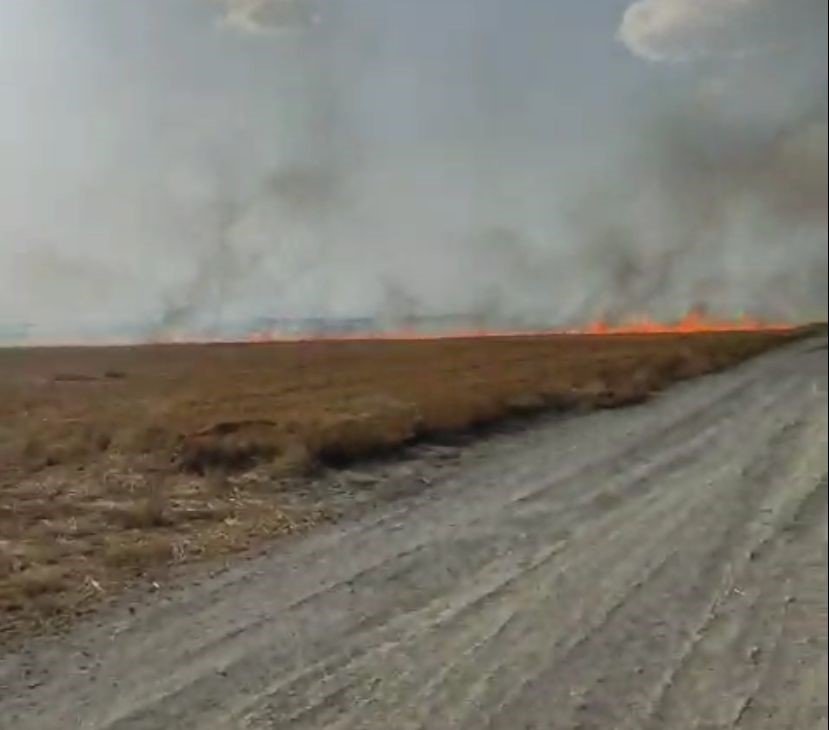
(727, 206)
(510, 162)
(269, 16)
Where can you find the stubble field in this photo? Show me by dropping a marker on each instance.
(117, 462)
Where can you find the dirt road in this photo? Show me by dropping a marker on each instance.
(663, 566)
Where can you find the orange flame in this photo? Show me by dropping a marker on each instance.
(693, 322)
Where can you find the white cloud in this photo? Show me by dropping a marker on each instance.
(683, 30)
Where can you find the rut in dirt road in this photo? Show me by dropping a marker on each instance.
(663, 566)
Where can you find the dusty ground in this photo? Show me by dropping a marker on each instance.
(119, 462)
(662, 566)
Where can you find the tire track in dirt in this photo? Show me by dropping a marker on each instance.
(385, 573)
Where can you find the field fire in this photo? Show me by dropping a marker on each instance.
(371, 364)
(693, 322)
(116, 461)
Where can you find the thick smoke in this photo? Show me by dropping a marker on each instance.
(512, 162)
(725, 195)
(359, 224)
(270, 16)
(720, 206)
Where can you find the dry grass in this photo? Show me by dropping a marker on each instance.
(115, 462)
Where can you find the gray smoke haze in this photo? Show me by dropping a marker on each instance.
(270, 16)
(729, 183)
(196, 166)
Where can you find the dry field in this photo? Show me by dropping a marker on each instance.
(117, 462)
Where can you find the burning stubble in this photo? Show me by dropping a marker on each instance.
(723, 196)
(512, 163)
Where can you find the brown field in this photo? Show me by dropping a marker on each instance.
(116, 462)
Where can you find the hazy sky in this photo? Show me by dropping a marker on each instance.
(161, 164)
